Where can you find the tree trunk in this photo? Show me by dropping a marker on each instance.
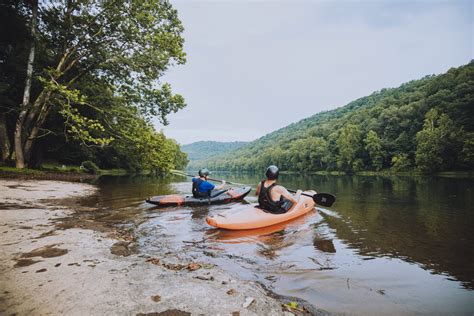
(20, 160)
(4, 141)
(35, 130)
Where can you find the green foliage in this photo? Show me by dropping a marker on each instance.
(467, 153)
(51, 166)
(400, 162)
(90, 167)
(20, 171)
(373, 145)
(437, 143)
(348, 143)
(386, 129)
(98, 84)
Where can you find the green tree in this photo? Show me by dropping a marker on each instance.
(435, 141)
(348, 144)
(14, 51)
(128, 44)
(467, 153)
(373, 145)
(400, 162)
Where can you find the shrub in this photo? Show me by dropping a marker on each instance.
(400, 162)
(90, 167)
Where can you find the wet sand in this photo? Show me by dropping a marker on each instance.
(46, 268)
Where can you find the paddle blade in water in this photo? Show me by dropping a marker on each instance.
(324, 199)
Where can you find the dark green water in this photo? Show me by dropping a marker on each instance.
(397, 245)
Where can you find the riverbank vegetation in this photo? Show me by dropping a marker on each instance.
(424, 125)
(79, 81)
(203, 150)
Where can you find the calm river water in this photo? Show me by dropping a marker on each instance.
(397, 245)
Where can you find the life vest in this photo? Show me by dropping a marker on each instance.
(266, 203)
(196, 193)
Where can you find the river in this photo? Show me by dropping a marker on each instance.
(389, 245)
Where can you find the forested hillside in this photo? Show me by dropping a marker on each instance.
(208, 149)
(79, 80)
(425, 124)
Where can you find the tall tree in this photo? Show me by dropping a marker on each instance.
(435, 140)
(373, 145)
(348, 144)
(25, 105)
(128, 44)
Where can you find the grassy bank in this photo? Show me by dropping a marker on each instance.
(27, 174)
(52, 171)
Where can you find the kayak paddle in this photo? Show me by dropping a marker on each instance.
(215, 180)
(324, 199)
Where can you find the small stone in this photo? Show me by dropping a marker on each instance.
(41, 270)
(154, 261)
(156, 298)
(193, 266)
(231, 292)
(248, 301)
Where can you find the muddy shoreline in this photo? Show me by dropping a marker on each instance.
(54, 261)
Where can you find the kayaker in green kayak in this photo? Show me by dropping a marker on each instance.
(202, 188)
(272, 197)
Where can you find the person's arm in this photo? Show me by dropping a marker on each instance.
(221, 186)
(288, 195)
(257, 193)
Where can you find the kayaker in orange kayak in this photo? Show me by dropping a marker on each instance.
(202, 188)
(272, 197)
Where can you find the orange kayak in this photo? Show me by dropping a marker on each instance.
(250, 217)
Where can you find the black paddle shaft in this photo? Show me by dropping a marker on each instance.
(215, 180)
(324, 199)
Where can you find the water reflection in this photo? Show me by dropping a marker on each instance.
(325, 245)
(427, 220)
(387, 240)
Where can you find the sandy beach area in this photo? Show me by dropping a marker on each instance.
(47, 267)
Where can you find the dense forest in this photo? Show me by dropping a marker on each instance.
(207, 149)
(425, 125)
(79, 81)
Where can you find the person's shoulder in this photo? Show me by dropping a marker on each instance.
(279, 188)
(208, 185)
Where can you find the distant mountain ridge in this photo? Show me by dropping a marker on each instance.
(425, 124)
(209, 149)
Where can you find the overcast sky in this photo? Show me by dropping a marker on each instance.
(256, 66)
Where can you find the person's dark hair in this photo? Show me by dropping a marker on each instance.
(272, 172)
(204, 172)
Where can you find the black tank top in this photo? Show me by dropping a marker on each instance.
(266, 203)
